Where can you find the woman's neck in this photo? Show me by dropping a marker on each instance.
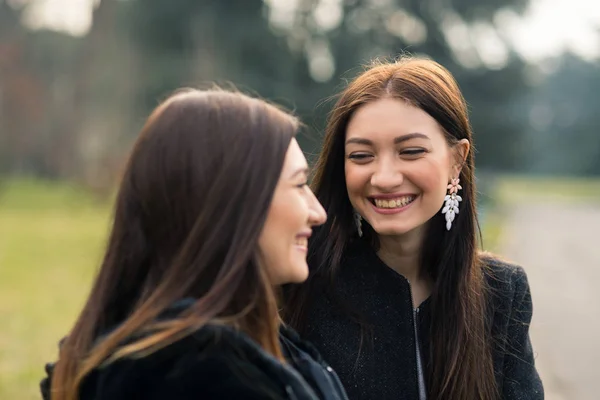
(403, 255)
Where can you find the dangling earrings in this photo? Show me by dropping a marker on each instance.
(452, 199)
(358, 223)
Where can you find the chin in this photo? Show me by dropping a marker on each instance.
(392, 230)
(299, 273)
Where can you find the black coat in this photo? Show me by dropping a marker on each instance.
(215, 362)
(386, 366)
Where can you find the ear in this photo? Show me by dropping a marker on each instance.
(461, 151)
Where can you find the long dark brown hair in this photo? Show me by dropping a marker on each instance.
(461, 364)
(190, 207)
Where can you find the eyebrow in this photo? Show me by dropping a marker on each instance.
(299, 171)
(397, 140)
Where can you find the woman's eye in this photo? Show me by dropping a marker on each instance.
(302, 185)
(359, 156)
(412, 152)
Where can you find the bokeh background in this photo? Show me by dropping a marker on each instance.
(78, 78)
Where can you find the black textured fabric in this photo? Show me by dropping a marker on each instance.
(215, 362)
(382, 364)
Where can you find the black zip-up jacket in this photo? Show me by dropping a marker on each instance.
(215, 362)
(388, 365)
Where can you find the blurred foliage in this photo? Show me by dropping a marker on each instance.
(564, 118)
(71, 106)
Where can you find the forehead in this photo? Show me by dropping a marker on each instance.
(294, 158)
(394, 117)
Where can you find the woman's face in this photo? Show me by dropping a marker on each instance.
(398, 165)
(293, 212)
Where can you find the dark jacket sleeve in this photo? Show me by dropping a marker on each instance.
(217, 378)
(45, 382)
(521, 379)
(218, 375)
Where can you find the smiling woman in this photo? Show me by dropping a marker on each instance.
(397, 159)
(398, 298)
(212, 215)
(293, 212)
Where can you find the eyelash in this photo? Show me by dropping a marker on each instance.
(413, 152)
(358, 156)
(302, 185)
(407, 152)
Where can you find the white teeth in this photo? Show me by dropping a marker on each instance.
(302, 241)
(395, 203)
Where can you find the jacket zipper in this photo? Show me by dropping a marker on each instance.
(420, 377)
(337, 382)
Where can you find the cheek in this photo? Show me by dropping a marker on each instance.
(434, 183)
(356, 178)
(279, 224)
(288, 216)
(432, 178)
(271, 237)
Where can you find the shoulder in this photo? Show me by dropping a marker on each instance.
(501, 273)
(293, 343)
(214, 362)
(507, 282)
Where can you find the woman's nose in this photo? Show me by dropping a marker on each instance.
(317, 215)
(386, 177)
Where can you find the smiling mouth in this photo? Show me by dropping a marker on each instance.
(392, 203)
(301, 241)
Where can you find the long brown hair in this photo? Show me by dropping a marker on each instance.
(191, 204)
(461, 364)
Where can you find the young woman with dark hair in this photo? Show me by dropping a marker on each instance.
(399, 299)
(213, 213)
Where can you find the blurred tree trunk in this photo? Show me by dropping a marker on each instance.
(90, 145)
(21, 94)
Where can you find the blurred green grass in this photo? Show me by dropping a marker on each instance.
(52, 236)
(51, 239)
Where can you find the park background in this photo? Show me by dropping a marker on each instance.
(78, 78)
